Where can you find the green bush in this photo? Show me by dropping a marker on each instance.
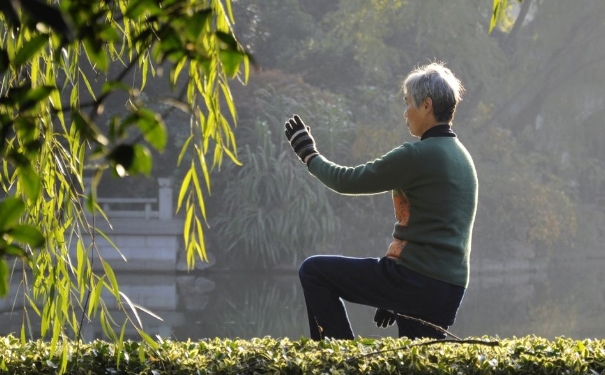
(270, 212)
(527, 355)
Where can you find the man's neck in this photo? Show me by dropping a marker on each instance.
(438, 130)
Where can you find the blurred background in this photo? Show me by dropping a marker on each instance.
(532, 118)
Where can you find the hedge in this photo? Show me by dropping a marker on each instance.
(526, 355)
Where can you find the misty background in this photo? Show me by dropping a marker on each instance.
(532, 118)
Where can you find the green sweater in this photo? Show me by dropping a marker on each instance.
(438, 177)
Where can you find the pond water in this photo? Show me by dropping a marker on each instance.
(558, 300)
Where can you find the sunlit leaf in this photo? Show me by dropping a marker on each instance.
(29, 49)
(185, 185)
(132, 308)
(10, 212)
(231, 61)
(96, 52)
(143, 161)
(145, 70)
(498, 11)
(115, 290)
(30, 181)
(138, 8)
(153, 128)
(4, 273)
(27, 234)
(88, 129)
(150, 341)
(184, 149)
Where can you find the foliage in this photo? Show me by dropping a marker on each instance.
(269, 211)
(61, 65)
(526, 355)
(551, 221)
(532, 114)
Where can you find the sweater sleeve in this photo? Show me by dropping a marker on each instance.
(391, 171)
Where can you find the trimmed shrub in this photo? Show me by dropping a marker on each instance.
(526, 355)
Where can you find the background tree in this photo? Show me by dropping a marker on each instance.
(531, 114)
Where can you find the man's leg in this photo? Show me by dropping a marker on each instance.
(328, 280)
(321, 277)
(441, 302)
(374, 282)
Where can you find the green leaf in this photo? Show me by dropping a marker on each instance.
(27, 234)
(170, 46)
(88, 129)
(231, 61)
(138, 8)
(198, 22)
(10, 212)
(228, 41)
(14, 251)
(34, 96)
(4, 285)
(115, 290)
(48, 15)
(107, 33)
(185, 186)
(29, 49)
(30, 181)
(497, 12)
(183, 150)
(96, 52)
(143, 161)
(110, 86)
(151, 342)
(153, 128)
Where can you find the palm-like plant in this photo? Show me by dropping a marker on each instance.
(272, 211)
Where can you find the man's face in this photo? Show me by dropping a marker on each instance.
(412, 116)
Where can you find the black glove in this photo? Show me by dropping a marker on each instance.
(384, 318)
(299, 136)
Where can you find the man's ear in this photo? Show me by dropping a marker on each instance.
(427, 105)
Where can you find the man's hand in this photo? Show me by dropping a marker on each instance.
(299, 136)
(384, 318)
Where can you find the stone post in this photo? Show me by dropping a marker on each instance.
(165, 199)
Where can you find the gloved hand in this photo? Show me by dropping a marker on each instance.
(299, 136)
(384, 318)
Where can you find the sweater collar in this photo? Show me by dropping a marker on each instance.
(442, 130)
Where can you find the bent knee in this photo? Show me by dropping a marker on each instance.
(308, 266)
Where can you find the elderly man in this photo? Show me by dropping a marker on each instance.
(425, 271)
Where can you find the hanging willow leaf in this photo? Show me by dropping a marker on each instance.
(41, 12)
(27, 234)
(29, 49)
(153, 128)
(65, 67)
(3, 278)
(12, 209)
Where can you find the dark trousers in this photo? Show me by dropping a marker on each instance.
(378, 282)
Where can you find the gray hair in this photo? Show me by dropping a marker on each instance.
(437, 82)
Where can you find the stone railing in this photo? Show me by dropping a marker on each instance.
(144, 208)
